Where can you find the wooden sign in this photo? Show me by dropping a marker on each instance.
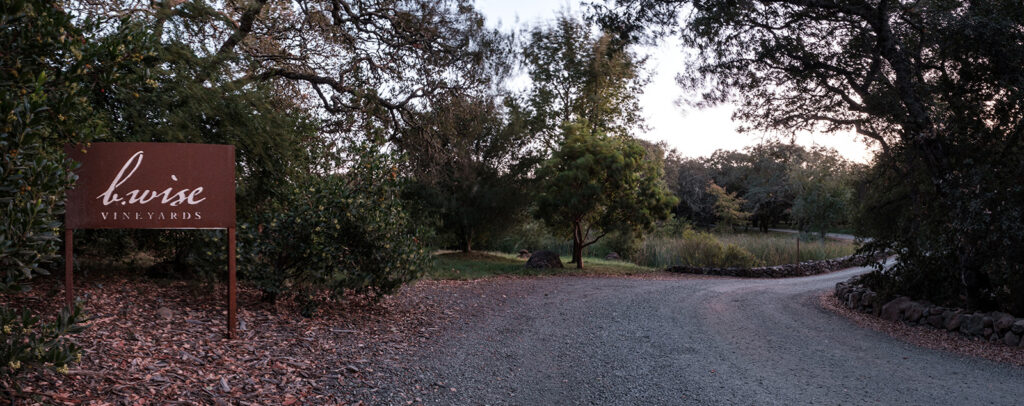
(153, 185)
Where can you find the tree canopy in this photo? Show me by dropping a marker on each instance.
(581, 76)
(594, 184)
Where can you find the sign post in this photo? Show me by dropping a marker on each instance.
(153, 185)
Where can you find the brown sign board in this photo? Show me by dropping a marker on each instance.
(152, 185)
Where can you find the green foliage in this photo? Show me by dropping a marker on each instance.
(693, 248)
(43, 107)
(696, 248)
(728, 209)
(26, 343)
(334, 233)
(600, 184)
(777, 183)
(824, 191)
(579, 76)
(153, 88)
(476, 178)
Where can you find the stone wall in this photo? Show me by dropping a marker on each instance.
(994, 326)
(805, 268)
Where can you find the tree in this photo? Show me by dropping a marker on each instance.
(824, 191)
(934, 83)
(769, 191)
(367, 67)
(153, 88)
(688, 179)
(594, 184)
(728, 208)
(479, 185)
(578, 76)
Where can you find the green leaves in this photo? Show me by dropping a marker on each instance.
(42, 108)
(601, 184)
(27, 343)
(581, 76)
(335, 233)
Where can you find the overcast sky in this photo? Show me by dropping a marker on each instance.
(692, 132)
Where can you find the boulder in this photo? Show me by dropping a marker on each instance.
(1002, 321)
(544, 259)
(953, 321)
(612, 256)
(853, 301)
(913, 312)
(973, 325)
(524, 254)
(1011, 339)
(936, 321)
(893, 310)
(841, 289)
(868, 299)
(1018, 327)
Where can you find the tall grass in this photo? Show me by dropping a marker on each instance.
(683, 245)
(780, 248)
(695, 248)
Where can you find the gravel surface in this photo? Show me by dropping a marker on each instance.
(579, 340)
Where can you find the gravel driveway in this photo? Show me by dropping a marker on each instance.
(578, 340)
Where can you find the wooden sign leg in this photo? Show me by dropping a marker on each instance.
(232, 289)
(69, 268)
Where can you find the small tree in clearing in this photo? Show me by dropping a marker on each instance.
(596, 184)
(728, 208)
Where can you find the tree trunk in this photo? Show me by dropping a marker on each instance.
(578, 253)
(466, 245)
(577, 245)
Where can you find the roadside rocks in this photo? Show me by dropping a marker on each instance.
(805, 268)
(544, 259)
(996, 327)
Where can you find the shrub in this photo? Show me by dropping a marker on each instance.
(26, 343)
(43, 107)
(334, 233)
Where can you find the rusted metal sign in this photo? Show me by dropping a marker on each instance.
(153, 185)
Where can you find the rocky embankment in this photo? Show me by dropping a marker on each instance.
(995, 327)
(805, 268)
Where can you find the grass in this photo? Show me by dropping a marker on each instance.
(694, 248)
(476, 265)
(780, 248)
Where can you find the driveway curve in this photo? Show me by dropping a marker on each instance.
(577, 340)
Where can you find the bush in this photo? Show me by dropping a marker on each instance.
(26, 343)
(335, 233)
(43, 107)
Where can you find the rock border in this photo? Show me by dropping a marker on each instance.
(995, 327)
(805, 268)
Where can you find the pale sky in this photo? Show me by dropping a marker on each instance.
(692, 132)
